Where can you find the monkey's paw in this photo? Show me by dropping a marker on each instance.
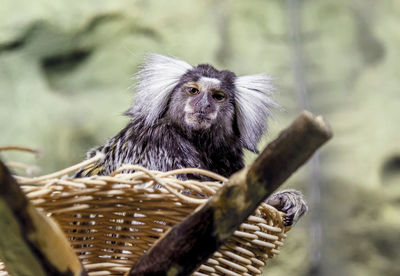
(291, 202)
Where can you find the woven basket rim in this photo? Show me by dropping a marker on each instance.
(94, 213)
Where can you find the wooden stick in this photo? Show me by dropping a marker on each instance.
(190, 243)
(30, 242)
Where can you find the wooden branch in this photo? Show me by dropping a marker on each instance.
(191, 242)
(30, 242)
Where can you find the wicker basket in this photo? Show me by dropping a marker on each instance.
(111, 221)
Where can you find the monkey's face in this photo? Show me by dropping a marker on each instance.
(204, 99)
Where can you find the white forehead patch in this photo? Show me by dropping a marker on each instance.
(208, 83)
(212, 80)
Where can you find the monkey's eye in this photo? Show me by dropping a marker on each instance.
(218, 96)
(192, 90)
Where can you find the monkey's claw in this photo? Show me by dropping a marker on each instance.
(291, 202)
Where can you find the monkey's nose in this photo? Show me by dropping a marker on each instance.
(205, 111)
(206, 107)
(204, 104)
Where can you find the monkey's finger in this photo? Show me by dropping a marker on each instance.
(294, 213)
(275, 201)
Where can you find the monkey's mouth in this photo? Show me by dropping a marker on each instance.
(201, 116)
(198, 120)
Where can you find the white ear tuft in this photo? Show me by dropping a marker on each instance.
(253, 103)
(155, 81)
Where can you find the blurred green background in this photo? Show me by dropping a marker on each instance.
(66, 69)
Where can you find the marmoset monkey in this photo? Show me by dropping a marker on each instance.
(194, 117)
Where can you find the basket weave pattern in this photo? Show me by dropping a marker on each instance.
(111, 221)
